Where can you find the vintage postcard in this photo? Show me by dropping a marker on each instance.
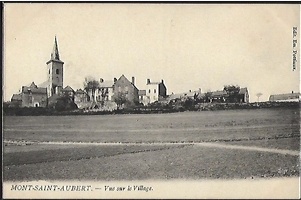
(141, 100)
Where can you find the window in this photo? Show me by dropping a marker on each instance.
(49, 71)
(149, 91)
(57, 71)
(154, 90)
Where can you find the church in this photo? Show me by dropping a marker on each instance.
(49, 92)
(33, 95)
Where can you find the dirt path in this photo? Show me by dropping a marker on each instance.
(249, 148)
(202, 144)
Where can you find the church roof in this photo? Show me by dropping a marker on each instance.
(55, 52)
(55, 56)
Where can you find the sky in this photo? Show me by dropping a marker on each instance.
(189, 46)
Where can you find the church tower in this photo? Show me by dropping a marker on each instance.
(55, 72)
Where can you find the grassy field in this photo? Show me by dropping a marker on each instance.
(153, 146)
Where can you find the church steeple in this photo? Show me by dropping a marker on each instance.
(55, 52)
(55, 72)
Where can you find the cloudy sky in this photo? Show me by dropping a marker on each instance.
(189, 46)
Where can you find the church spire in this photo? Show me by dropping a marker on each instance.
(55, 52)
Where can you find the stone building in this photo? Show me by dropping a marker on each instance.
(55, 72)
(155, 91)
(33, 96)
(105, 90)
(123, 86)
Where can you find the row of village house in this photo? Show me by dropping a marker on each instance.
(34, 96)
(49, 91)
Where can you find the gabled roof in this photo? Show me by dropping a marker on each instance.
(142, 92)
(123, 77)
(287, 96)
(34, 89)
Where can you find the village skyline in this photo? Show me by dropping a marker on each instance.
(246, 45)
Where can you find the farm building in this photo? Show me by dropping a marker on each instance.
(288, 97)
(30, 96)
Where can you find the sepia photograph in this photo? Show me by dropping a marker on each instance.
(151, 100)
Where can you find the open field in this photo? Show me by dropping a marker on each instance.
(189, 145)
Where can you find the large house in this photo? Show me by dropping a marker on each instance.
(31, 96)
(105, 90)
(123, 86)
(155, 91)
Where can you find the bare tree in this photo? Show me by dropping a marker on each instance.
(91, 84)
(258, 96)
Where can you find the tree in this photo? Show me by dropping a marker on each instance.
(208, 96)
(258, 96)
(91, 84)
(104, 92)
(232, 92)
(119, 99)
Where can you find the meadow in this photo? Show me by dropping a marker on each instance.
(238, 144)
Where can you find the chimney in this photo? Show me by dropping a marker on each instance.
(133, 80)
(162, 81)
(292, 92)
(200, 91)
(189, 90)
(148, 81)
(115, 79)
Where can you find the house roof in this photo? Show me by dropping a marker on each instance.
(16, 97)
(80, 91)
(34, 89)
(287, 96)
(68, 88)
(142, 92)
(218, 93)
(175, 96)
(106, 84)
(123, 77)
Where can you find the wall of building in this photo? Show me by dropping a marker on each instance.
(34, 100)
(152, 92)
(123, 85)
(55, 77)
